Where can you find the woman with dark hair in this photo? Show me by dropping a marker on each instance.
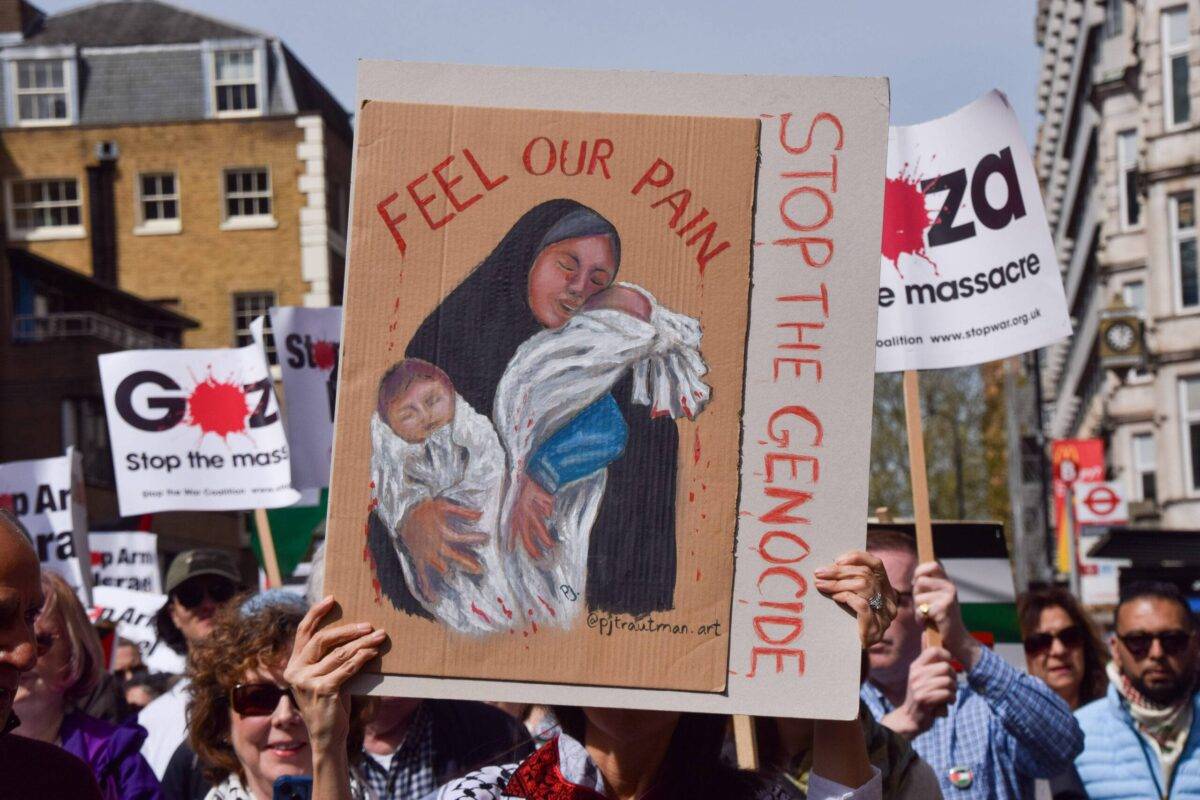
(557, 256)
(1062, 646)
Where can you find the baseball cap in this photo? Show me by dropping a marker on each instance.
(193, 563)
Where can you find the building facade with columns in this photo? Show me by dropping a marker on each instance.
(1118, 154)
(186, 160)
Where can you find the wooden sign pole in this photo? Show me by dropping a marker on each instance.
(920, 482)
(270, 560)
(745, 741)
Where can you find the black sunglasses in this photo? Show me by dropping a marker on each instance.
(192, 593)
(258, 699)
(1038, 643)
(1139, 644)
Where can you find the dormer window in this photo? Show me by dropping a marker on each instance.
(40, 85)
(235, 82)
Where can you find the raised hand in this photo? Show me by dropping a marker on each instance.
(853, 580)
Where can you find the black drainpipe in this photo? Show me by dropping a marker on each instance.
(103, 213)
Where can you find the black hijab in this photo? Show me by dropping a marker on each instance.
(474, 333)
(476, 330)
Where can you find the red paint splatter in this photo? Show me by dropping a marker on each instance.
(697, 575)
(686, 408)
(324, 354)
(657, 413)
(396, 305)
(504, 608)
(218, 407)
(691, 497)
(476, 610)
(371, 484)
(905, 220)
(696, 447)
(549, 607)
(534, 624)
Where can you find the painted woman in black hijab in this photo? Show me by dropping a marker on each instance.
(550, 262)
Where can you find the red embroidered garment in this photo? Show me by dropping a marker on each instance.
(538, 778)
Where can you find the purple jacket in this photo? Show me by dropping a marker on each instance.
(113, 753)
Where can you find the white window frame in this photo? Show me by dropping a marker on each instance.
(1177, 237)
(1186, 419)
(1127, 161)
(272, 301)
(1136, 468)
(243, 222)
(209, 50)
(45, 232)
(157, 227)
(68, 90)
(1127, 290)
(1169, 52)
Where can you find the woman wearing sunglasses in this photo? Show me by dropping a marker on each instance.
(69, 664)
(1062, 646)
(244, 724)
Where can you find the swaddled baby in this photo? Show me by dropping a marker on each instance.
(428, 443)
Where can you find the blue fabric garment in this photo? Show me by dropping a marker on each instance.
(593, 439)
(1006, 727)
(1118, 762)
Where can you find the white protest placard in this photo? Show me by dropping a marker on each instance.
(309, 341)
(195, 430)
(41, 493)
(133, 614)
(968, 271)
(126, 560)
(736, 216)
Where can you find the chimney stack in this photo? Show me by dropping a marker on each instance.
(16, 19)
(103, 212)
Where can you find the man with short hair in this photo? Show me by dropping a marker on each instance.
(1143, 738)
(198, 583)
(29, 769)
(988, 738)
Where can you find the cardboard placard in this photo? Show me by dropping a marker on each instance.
(46, 495)
(968, 271)
(125, 559)
(195, 430)
(623, 281)
(309, 340)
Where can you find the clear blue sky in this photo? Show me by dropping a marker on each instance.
(939, 55)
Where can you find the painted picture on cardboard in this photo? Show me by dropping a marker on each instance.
(572, 461)
(535, 467)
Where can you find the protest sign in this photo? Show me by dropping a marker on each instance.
(968, 272)
(42, 494)
(730, 309)
(126, 560)
(309, 340)
(195, 430)
(133, 614)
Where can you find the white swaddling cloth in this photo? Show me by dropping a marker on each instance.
(462, 462)
(552, 377)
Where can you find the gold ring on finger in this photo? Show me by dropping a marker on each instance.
(923, 609)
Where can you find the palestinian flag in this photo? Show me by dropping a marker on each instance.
(975, 557)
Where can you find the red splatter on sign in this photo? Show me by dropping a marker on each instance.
(324, 354)
(504, 608)
(696, 447)
(218, 407)
(905, 220)
(479, 613)
(549, 607)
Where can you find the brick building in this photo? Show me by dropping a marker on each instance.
(164, 179)
(186, 160)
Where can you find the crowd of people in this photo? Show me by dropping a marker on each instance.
(263, 711)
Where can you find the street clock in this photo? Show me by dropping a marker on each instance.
(1121, 329)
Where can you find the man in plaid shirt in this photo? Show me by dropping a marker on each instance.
(989, 738)
(411, 747)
